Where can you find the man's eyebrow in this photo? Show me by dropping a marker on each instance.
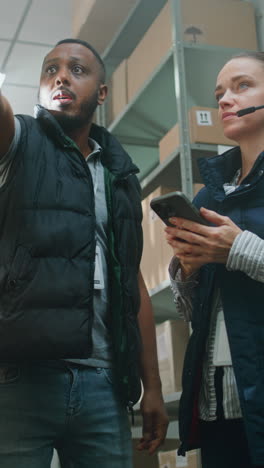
(56, 59)
(234, 79)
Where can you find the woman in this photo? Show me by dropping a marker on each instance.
(217, 278)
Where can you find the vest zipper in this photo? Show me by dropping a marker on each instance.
(38, 185)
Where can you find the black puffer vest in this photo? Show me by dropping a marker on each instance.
(47, 248)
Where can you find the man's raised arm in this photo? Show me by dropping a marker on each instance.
(7, 125)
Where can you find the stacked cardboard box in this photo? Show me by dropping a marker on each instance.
(204, 127)
(172, 338)
(150, 51)
(203, 22)
(157, 253)
(172, 460)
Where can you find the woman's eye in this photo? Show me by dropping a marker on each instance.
(218, 97)
(243, 85)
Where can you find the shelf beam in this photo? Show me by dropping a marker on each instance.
(181, 100)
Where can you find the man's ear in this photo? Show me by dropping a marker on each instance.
(102, 93)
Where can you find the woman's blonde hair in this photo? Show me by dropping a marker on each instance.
(259, 56)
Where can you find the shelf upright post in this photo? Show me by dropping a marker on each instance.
(181, 99)
(182, 109)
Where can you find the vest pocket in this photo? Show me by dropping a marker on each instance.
(9, 373)
(16, 285)
(20, 269)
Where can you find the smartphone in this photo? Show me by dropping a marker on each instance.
(176, 204)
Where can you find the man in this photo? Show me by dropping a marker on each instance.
(71, 344)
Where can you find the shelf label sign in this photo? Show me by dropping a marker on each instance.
(204, 117)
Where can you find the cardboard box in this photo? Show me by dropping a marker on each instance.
(197, 188)
(172, 460)
(97, 21)
(172, 338)
(80, 12)
(119, 97)
(148, 54)
(141, 459)
(226, 23)
(169, 143)
(204, 127)
(157, 253)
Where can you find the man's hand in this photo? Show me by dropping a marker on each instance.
(195, 244)
(155, 421)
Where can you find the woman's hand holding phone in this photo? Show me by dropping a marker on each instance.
(195, 244)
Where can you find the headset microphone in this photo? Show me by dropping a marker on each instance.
(248, 110)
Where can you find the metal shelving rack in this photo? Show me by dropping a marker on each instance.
(163, 100)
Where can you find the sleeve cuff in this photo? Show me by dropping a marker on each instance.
(247, 255)
(178, 286)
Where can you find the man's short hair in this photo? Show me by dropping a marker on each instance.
(92, 49)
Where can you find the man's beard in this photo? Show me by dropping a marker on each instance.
(73, 122)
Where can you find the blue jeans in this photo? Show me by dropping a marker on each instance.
(73, 409)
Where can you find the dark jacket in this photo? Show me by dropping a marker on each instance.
(242, 298)
(47, 249)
